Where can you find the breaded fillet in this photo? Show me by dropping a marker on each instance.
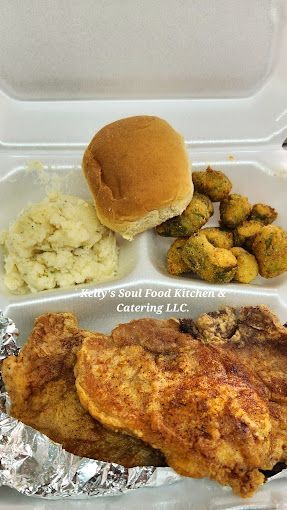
(213, 403)
(41, 386)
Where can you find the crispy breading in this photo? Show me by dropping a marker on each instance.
(264, 213)
(247, 267)
(197, 213)
(260, 345)
(214, 265)
(233, 210)
(219, 237)
(41, 386)
(245, 233)
(175, 262)
(213, 183)
(270, 250)
(209, 406)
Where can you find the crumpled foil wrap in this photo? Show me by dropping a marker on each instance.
(36, 466)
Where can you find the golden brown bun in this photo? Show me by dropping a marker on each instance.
(139, 174)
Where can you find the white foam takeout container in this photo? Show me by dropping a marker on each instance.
(217, 71)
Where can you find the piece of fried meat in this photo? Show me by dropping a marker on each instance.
(197, 397)
(41, 386)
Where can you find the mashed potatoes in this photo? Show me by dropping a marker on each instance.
(57, 243)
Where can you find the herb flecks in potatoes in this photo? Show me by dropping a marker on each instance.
(215, 265)
(263, 213)
(191, 220)
(244, 234)
(247, 269)
(219, 237)
(233, 210)
(212, 183)
(270, 250)
(175, 262)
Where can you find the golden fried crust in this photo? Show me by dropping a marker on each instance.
(234, 209)
(41, 386)
(270, 250)
(247, 267)
(208, 412)
(196, 214)
(265, 348)
(215, 265)
(213, 183)
(219, 237)
(264, 213)
(175, 262)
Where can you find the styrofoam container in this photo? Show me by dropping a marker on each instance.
(217, 71)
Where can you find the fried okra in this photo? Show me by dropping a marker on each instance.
(191, 220)
(215, 265)
(264, 213)
(175, 262)
(247, 267)
(212, 183)
(233, 210)
(219, 237)
(244, 234)
(270, 250)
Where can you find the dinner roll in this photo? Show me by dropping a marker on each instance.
(139, 174)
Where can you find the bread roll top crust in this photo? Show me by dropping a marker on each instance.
(134, 166)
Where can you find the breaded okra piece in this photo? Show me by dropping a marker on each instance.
(215, 265)
(219, 237)
(175, 262)
(245, 233)
(190, 221)
(264, 213)
(213, 183)
(233, 210)
(247, 269)
(270, 250)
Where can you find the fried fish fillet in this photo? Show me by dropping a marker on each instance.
(41, 386)
(209, 394)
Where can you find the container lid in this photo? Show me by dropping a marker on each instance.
(216, 70)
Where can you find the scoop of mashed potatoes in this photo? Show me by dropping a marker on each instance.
(58, 242)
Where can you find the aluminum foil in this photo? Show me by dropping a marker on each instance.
(36, 466)
(8, 346)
